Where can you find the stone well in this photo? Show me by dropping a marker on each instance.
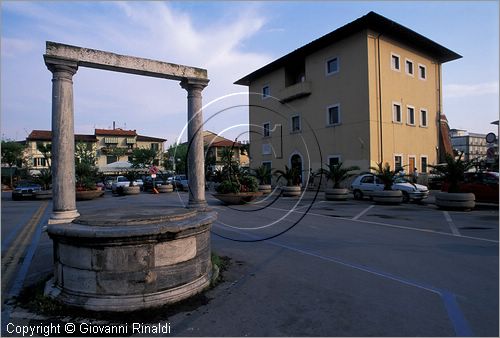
(124, 260)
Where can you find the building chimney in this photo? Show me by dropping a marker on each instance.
(113, 125)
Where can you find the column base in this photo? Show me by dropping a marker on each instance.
(61, 217)
(199, 205)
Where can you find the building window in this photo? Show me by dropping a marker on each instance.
(411, 115)
(267, 129)
(423, 118)
(268, 165)
(409, 67)
(111, 159)
(423, 163)
(266, 149)
(395, 62)
(333, 115)
(422, 72)
(332, 66)
(266, 92)
(396, 109)
(155, 146)
(296, 123)
(398, 162)
(333, 160)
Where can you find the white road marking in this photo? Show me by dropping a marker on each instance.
(362, 213)
(453, 227)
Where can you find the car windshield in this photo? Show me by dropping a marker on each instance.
(25, 184)
(401, 180)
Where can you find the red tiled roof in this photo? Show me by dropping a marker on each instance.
(226, 143)
(115, 132)
(142, 138)
(46, 135)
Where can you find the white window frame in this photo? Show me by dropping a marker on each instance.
(408, 120)
(264, 129)
(264, 149)
(269, 92)
(420, 73)
(291, 124)
(426, 118)
(328, 115)
(338, 65)
(399, 62)
(394, 103)
(334, 156)
(414, 160)
(426, 161)
(394, 161)
(412, 67)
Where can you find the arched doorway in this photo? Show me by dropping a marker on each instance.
(296, 163)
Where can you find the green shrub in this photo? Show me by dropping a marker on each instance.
(228, 187)
(249, 184)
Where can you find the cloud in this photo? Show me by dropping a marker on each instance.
(468, 90)
(12, 47)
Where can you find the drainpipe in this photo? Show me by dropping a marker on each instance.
(380, 97)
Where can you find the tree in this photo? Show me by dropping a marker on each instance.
(12, 153)
(46, 151)
(291, 175)
(453, 171)
(337, 173)
(143, 158)
(177, 158)
(263, 174)
(385, 174)
(86, 171)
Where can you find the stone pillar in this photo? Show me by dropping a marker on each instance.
(196, 156)
(63, 141)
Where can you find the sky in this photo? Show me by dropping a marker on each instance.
(230, 40)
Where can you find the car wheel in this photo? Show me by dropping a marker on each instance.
(358, 195)
(406, 197)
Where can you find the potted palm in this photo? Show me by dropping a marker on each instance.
(237, 187)
(292, 177)
(337, 173)
(387, 176)
(132, 189)
(453, 173)
(263, 174)
(86, 174)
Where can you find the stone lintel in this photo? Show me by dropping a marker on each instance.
(93, 58)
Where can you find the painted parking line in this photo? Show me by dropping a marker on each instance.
(362, 213)
(453, 227)
(455, 315)
(392, 226)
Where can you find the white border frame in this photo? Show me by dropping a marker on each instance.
(263, 129)
(420, 74)
(270, 149)
(394, 113)
(392, 64)
(427, 163)
(426, 118)
(291, 124)
(416, 164)
(412, 65)
(408, 107)
(262, 91)
(334, 156)
(394, 161)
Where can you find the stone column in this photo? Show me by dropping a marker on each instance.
(196, 156)
(63, 141)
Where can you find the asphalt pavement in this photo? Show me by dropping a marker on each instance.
(304, 267)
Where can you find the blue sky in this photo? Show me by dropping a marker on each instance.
(230, 39)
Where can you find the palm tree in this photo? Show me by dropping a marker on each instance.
(453, 171)
(385, 174)
(291, 175)
(337, 173)
(263, 174)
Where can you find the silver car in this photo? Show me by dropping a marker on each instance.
(364, 185)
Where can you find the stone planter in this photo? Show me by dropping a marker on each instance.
(134, 190)
(239, 198)
(43, 195)
(165, 188)
(387, 196)
(86, 195)
(336, 194)
(455, 201)
(131, 259)
(292, 191)
(265, 188)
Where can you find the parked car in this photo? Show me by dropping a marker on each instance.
(180, 182)
(148, 182)
(119, 181)
(138, 182)
(25, 189)
(365, 184)
(108, 183)
(484, 185)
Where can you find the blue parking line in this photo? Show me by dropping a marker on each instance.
(23, 271)
(457, 319)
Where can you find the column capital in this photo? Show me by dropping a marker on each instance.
(55, 64)
(194, 83)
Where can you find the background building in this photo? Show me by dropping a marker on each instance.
(472, 145)
(367, 92)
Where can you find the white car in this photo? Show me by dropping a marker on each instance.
(364, 185)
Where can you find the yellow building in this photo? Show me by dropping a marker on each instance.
(367, 92)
